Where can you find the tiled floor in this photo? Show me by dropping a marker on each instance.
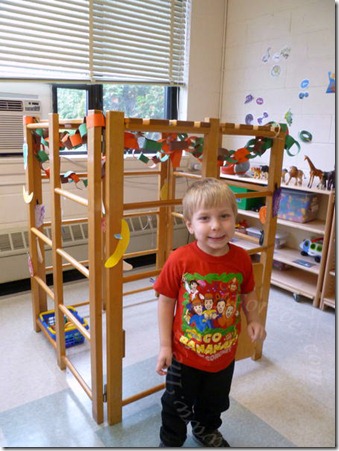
(285, 399)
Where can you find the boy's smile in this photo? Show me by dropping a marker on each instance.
(213, 228)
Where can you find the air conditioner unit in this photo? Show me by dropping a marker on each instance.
(11, 125)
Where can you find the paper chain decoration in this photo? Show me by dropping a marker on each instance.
(171, 145)
(70, 139)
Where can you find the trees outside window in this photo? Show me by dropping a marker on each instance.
(145, 101)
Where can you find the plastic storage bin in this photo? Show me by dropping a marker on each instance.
(280, 237)
(253, 231)
(251, 203)
(298, 206)
(72, 335)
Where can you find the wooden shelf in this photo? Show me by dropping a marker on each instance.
(317, 226)
(329, 301)
(248, 179)
(296, 281)
(249, 213)
(292, 256)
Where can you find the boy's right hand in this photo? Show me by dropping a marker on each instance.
(164, 360)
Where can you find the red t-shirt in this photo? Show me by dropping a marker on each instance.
(207, 289)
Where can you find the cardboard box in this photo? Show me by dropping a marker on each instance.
(252, 203)
(298, 206)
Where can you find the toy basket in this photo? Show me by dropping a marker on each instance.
(72, 335)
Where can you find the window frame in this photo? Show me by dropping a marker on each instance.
(94, 95)
(95, 102)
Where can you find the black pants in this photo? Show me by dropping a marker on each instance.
(194, 396)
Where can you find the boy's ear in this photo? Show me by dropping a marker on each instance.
(189, 227)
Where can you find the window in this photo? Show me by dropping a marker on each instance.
(74, 101)
(120, 41)
(151, 101)
(135, 100)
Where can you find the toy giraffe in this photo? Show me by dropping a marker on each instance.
(314, 172)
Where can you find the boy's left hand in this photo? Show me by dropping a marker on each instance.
(256, 331)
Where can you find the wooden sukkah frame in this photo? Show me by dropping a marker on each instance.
(106, 284)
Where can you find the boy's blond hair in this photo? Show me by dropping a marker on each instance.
(208, 193)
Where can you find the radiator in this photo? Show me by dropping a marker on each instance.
(14, 245)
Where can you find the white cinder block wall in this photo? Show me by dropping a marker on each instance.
(307, 29)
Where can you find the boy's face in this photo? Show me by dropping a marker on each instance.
(213, 228)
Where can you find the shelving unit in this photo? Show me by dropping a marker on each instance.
(302, 276)
(328, 292)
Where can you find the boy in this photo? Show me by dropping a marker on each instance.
(198, 358)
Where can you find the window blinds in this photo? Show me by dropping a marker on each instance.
(125, 41)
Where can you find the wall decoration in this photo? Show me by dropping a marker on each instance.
(285, 52)
(304, 84)
(331, 84)
(40, 211)
(302, 95)
(289, 117)
(249, 119)
(266, 56)
(123, 242)
(249, 98)
(27, 197)
(276, 70)
(264, 116)
(276, 57)
(305, 136)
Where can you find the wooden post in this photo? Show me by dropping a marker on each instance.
(171, 185)
(162, 220)
(94, 136)
(210, 167)
(55, 183)
(34, 186)
(114, 278)
(266, 258)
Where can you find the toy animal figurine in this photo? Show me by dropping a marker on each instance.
(256, 173)
(328, 180)
(260, 172)
(331, 180)
(264, 171)
(284, 172)
(314, 172)
(296, 173)
(324, 180)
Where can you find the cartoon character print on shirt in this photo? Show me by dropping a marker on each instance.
(193, 289)
(211, 318)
